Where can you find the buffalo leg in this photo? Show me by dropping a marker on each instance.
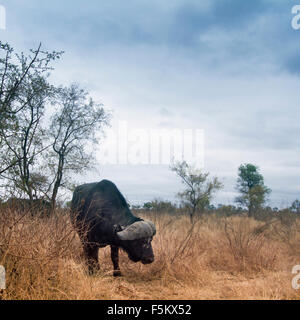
(115, 260)
(91, 255)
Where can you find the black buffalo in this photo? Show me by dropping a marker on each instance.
(102, 217)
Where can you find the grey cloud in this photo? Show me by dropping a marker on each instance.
(207, 64)
(218, 34)
(292, 63)
(190, 20)
(165, 112)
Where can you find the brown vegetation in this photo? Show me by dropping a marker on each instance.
(215, 258)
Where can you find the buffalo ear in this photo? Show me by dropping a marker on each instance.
(117, 228)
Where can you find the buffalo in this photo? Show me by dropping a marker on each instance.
(101, 216)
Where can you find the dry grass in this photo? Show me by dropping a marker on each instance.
(216, 258)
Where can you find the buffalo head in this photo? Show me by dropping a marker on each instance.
(136, 241)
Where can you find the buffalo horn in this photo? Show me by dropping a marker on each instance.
(138, 230)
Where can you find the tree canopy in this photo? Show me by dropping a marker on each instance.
(253, 192)
(199, 189)
(38, 152)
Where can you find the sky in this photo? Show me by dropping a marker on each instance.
(228, 67)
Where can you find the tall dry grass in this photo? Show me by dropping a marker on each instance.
(215, 258)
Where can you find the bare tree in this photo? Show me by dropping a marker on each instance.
(73, 127)
(199, 190)
(23, 87)
(23, 142)
(36, 161)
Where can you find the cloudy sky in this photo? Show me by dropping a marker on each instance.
(229, 67)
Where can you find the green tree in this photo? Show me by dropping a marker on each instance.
(250, 184)
(296, 206)
(199, 188)
(160, 205)
(148, 206)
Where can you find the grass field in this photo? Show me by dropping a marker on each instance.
(215, 258)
